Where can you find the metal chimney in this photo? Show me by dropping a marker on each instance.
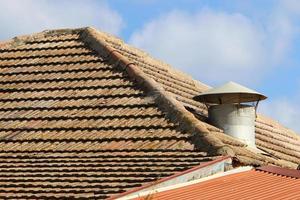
(232, 107)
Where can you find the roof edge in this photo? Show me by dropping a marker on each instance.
(175, 111)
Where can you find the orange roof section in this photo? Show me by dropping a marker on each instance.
(261, 183)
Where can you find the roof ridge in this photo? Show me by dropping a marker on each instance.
(173, 108)
(147, 56)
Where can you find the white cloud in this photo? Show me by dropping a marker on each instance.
(28, 16)
(216, 46)
(282, 29)
(293, 6)
(285, 110)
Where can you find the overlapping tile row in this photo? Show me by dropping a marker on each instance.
(74, 126)
(87, 174)
(278, 141)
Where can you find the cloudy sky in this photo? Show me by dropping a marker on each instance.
(256, 44)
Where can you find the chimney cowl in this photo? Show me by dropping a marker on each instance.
(230, 92)
(228, 110)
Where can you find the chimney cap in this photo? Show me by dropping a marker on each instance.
(230, 92)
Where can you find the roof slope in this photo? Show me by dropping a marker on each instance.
(83, 114)
(74, 125)
(261, 183)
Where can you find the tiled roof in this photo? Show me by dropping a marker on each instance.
(82, 114)
(263, 183)
(74, 125)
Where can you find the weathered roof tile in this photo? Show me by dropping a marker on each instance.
(76, 121)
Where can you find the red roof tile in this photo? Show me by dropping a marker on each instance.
(263, 183)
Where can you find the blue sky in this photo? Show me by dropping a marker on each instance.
(255, 43)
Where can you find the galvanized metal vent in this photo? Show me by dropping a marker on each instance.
(232, 107)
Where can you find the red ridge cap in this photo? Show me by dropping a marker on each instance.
(280, 171)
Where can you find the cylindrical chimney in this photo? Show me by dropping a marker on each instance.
(229, 111)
